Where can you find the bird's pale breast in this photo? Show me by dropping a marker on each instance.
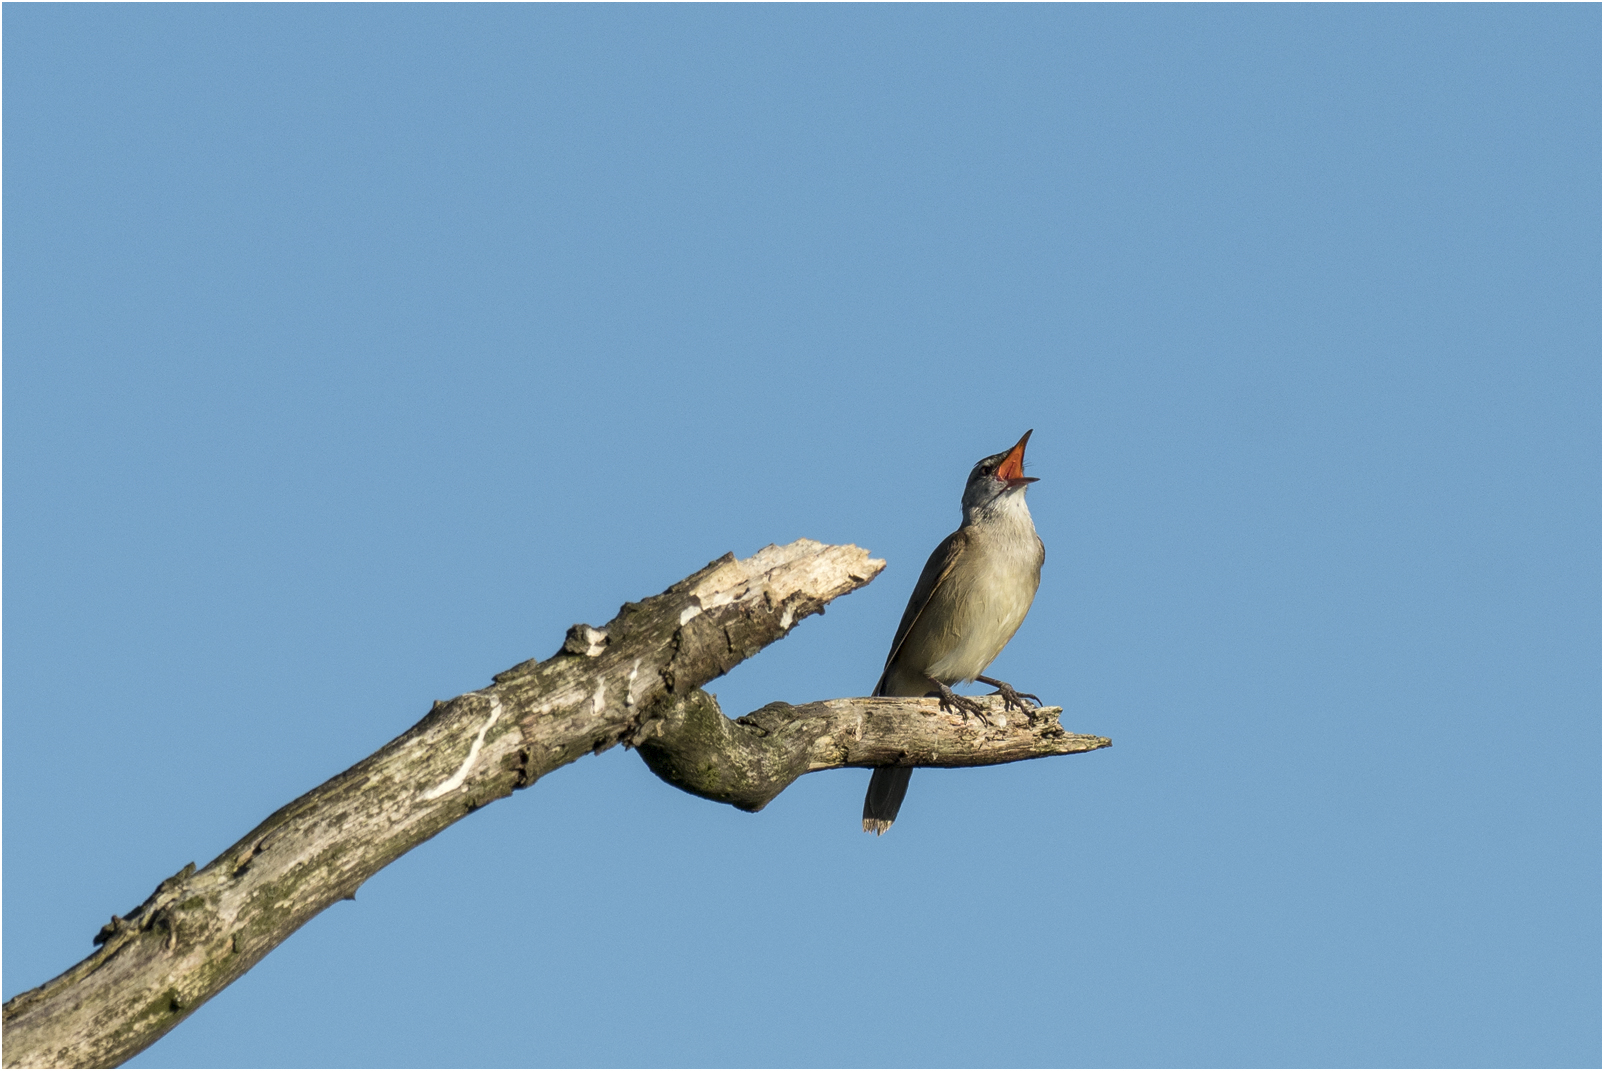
(977, 609)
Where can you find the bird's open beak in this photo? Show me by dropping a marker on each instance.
(1012, 470)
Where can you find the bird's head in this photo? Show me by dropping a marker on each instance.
(997, 479)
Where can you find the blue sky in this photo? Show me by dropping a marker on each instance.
(352, 353)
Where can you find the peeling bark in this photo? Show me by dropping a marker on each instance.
(635, 681)
(202, 929)
(688, 742)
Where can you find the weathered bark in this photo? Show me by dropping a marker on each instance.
(200, 930)
(634, 681)
(688, 742)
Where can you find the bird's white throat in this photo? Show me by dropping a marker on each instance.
(1006, 509)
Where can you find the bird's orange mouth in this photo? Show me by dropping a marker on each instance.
(1012, 469)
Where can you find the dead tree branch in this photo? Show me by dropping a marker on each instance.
(635, 681)
(688, 742)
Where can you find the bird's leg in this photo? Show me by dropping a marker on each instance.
(951, 699)
(1011, 699)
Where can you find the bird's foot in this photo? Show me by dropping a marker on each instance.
(951, 701)
(1012, 700)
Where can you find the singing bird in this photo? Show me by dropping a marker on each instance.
(970, 600)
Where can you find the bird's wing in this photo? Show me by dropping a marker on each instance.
(942, 559)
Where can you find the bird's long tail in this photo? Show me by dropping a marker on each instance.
(887, 786)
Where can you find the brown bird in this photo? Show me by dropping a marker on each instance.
(970, 600)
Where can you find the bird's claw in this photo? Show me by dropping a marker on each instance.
(1012, 700)
(951, 700)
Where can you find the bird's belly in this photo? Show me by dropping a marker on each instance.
(969, 622)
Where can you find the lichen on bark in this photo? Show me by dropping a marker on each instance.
(636, 680)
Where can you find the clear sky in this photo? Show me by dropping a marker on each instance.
(353, 353)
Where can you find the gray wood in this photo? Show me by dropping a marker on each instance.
(635, 681)
(688, 742)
